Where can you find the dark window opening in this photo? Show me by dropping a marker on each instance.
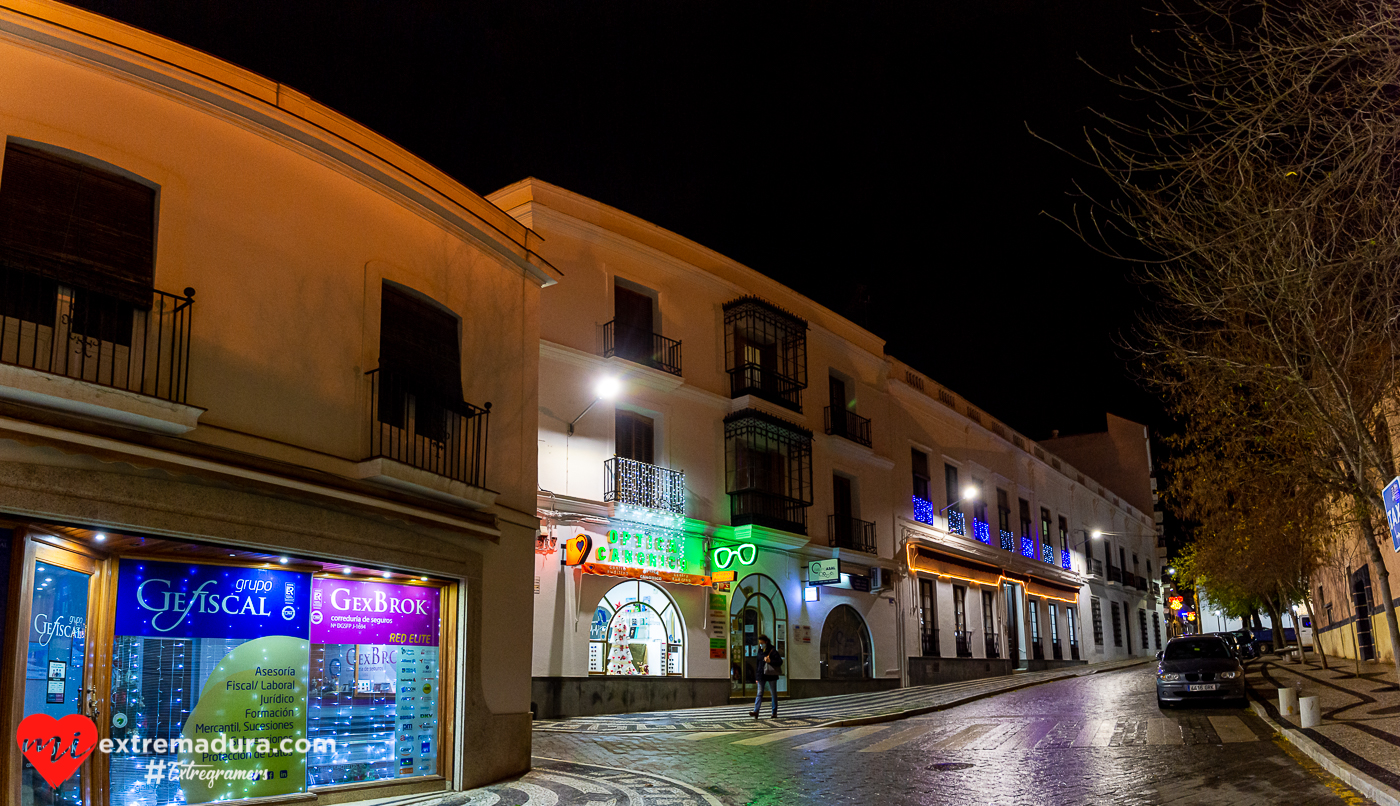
(635, 437)
(768, 471)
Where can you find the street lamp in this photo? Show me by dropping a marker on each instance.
(969, 493)
(605, 389)
(1088, 535)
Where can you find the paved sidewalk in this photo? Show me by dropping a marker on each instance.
(837, 711)
(1359, 736)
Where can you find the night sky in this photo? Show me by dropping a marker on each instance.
(872, 155)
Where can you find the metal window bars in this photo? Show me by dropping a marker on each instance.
(641, 346)
(409, 423)
(765, 352)
(627, 481)
(844, 531)
(61, 330)
(845, 423)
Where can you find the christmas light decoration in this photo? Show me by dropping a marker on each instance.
(923, 511)
(1008, 540)
(955, 522)
(646, 486)
(982, 531)
(1064, 559)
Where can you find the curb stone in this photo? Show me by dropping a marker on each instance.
(929, 709)
(1356, 779)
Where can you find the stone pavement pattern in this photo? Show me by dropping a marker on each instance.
(1097, 739)
(1360, 706)
(818, 711)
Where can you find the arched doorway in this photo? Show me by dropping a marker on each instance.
(636, 630)
(757, 608)
(846, 646)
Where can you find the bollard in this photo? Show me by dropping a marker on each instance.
(1288, 701)
(1310, 711)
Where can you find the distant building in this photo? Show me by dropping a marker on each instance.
(756, 442)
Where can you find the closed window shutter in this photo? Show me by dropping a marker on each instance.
(418, 343)
(77, 224)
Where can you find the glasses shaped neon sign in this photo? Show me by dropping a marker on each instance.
(724, 556)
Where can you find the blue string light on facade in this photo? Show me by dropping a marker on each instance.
(982, 530)
(955, 522)
(1008, 540)
(1047, 553)
(1028, 547)
(1064, 559)
(923, 511)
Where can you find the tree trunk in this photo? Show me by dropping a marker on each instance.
(1382, 582)
(1275, 625)
(1317, 633)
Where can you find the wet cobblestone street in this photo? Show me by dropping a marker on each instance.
(1098, 739)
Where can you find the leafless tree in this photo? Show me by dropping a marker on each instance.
(1266, 186)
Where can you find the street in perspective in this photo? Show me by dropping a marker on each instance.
(1094, 737)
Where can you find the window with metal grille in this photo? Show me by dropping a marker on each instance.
(768, 471)
(1142, 626)
(765, 352)
(1096, 611)
(1156, 630)
(1117, 624)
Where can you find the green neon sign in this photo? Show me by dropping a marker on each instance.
(725, 556)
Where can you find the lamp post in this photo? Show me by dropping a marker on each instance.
(1088, 535)
(605, 389)
(969, 493)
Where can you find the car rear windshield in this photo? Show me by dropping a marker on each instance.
(1185, 650)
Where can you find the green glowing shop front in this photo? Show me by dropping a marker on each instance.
(288, 675)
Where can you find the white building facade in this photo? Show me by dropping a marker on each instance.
(706, 435)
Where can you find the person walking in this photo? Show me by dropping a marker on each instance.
(766, 669)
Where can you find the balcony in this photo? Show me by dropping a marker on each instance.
(754, 379)
(847, 532)
(638, 484)
(963, 639)
(74, 334)
(1056, 649)
(641, 346)
(1008, 540)
(923, 510)
(929, 643)
(768, 509)
(844, 423)
(429, 432)
(1115, 574)
(993, 646)
(1074, 651)
(1037, 648)
(1094, 568)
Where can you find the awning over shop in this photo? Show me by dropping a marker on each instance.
(946, 565)
(1051, 590)
(648, 574)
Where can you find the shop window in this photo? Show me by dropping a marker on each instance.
(642, 633)
(765, 351)
(768, 471)
(253, 653)
(55, 672)
(846, 647)
(756, 608)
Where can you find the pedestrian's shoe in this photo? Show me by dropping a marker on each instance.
(753, 714)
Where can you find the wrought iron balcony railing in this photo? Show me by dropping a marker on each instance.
(1094, 568)
(1115, 574)
(844, 423)
(755, 379)
(1008, 540)
(1057, 650)
(91, 337)
(641, 346)
(638, 484)
(768, 509)
(847, 532)
(964, 642)
(993, 645)
(1074, 651)
(929, 642)
(1037, 648)
(923, 510)
(426, 430)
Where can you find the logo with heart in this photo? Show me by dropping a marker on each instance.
(56, 747)
(576, 549)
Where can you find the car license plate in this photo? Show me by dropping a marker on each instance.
(1203, 687)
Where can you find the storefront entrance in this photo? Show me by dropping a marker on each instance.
(757, 608)
(319, 674)
(60, 667)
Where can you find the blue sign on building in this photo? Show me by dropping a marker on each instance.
(185, 600)
(1392, 510)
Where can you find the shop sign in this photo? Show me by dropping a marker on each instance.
(183, 600)
(824, 572)
(1391, 495)
(664, 555)
(725, 557)
(576, 549)
(345, 611)
(718, 618)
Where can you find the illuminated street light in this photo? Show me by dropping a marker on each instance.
(605, 389)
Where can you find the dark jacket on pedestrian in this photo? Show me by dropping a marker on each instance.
(770, 658)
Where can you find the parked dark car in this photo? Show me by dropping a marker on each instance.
(1231, 642)
(1245, 639)
(1198, 667)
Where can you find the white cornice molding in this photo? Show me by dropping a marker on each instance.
(275, 112)
(856, 452)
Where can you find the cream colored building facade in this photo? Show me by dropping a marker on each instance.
(216, 375)
(687, 399)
